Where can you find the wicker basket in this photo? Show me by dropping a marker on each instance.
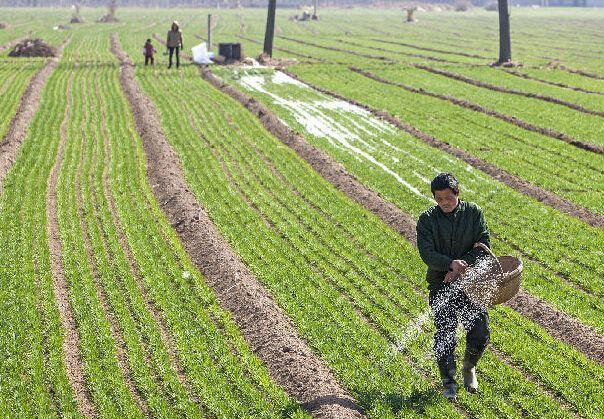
(499, 282)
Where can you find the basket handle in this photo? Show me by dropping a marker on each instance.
(485, 248)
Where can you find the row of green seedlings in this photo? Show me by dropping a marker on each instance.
(311, 266)
(225, 378)
(579, 125)
(14, 78)
(565, 274)
(543, 161)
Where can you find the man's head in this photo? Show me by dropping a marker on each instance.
(445, 190)
(149, 40)
(175, 25)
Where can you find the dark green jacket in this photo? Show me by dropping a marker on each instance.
(441, 238)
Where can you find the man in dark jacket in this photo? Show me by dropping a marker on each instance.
(446, 238)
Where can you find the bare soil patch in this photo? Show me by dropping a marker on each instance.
(574, 333)
(270, 333)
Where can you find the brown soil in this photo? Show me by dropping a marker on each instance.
(33, 48)
(495, 88)
(4, 25)
(556, 323)
(594, 148)
(270, 333)
(520, 185)
(560, 325)
(551, 83)
(71, 340)
(28, 105)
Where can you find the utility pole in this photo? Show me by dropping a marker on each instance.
(209, 32)
(505, 43)
(270, 28)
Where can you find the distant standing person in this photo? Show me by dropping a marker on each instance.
(174, 42)
(149, 50)
(448, 234)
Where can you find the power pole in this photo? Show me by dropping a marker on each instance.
(270, 28)
(209, 32)
(505, 43)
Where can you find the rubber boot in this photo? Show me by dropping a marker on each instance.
(468, 371)
(447, 368)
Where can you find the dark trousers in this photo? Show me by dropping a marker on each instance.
(171, 50)
(149, 59)
(450, 305)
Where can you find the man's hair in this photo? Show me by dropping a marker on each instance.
(149, 40)
(444, 181)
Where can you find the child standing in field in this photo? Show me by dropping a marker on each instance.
(149, 50)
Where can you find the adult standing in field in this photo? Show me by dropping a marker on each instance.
(174, 42)
(447, 234)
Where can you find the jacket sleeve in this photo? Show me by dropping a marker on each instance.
(427, 248)
(481, 232)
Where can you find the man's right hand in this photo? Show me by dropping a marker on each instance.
(459, 266)
(451, 276)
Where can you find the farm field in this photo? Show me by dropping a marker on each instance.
(239, 241)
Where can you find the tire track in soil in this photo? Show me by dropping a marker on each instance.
(552, 83)
(500, 89)
(71, 340)
(28, 105)
(558, 324)
(514, 182)
(594, 148)
(164, 332)
(270, 333)
(114, 328)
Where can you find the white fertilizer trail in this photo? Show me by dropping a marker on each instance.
(478, 274)
(311, 116)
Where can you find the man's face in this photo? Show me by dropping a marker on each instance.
(446, 199)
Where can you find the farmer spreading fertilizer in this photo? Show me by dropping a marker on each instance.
(450, 240)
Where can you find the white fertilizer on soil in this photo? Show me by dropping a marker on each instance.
(356, 131)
